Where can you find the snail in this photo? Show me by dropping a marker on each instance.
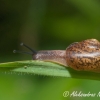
(80, 56)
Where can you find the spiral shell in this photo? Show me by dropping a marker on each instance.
(84, 55)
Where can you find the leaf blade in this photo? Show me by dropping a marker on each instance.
(47, 68)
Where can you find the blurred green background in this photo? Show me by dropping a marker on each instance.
(43, 25)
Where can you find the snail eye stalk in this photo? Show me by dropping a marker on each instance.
(30, 53)
(17, 51)
(22, 44)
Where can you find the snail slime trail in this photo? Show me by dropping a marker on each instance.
(80, 56)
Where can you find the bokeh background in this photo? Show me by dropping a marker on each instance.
(43, 25)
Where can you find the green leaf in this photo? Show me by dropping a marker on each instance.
(47, 68)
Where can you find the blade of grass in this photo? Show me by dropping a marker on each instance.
(47, 68)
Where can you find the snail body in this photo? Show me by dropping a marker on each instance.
(81, 56)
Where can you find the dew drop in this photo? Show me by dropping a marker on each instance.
(25, 67)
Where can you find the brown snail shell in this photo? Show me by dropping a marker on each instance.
(84, 55)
